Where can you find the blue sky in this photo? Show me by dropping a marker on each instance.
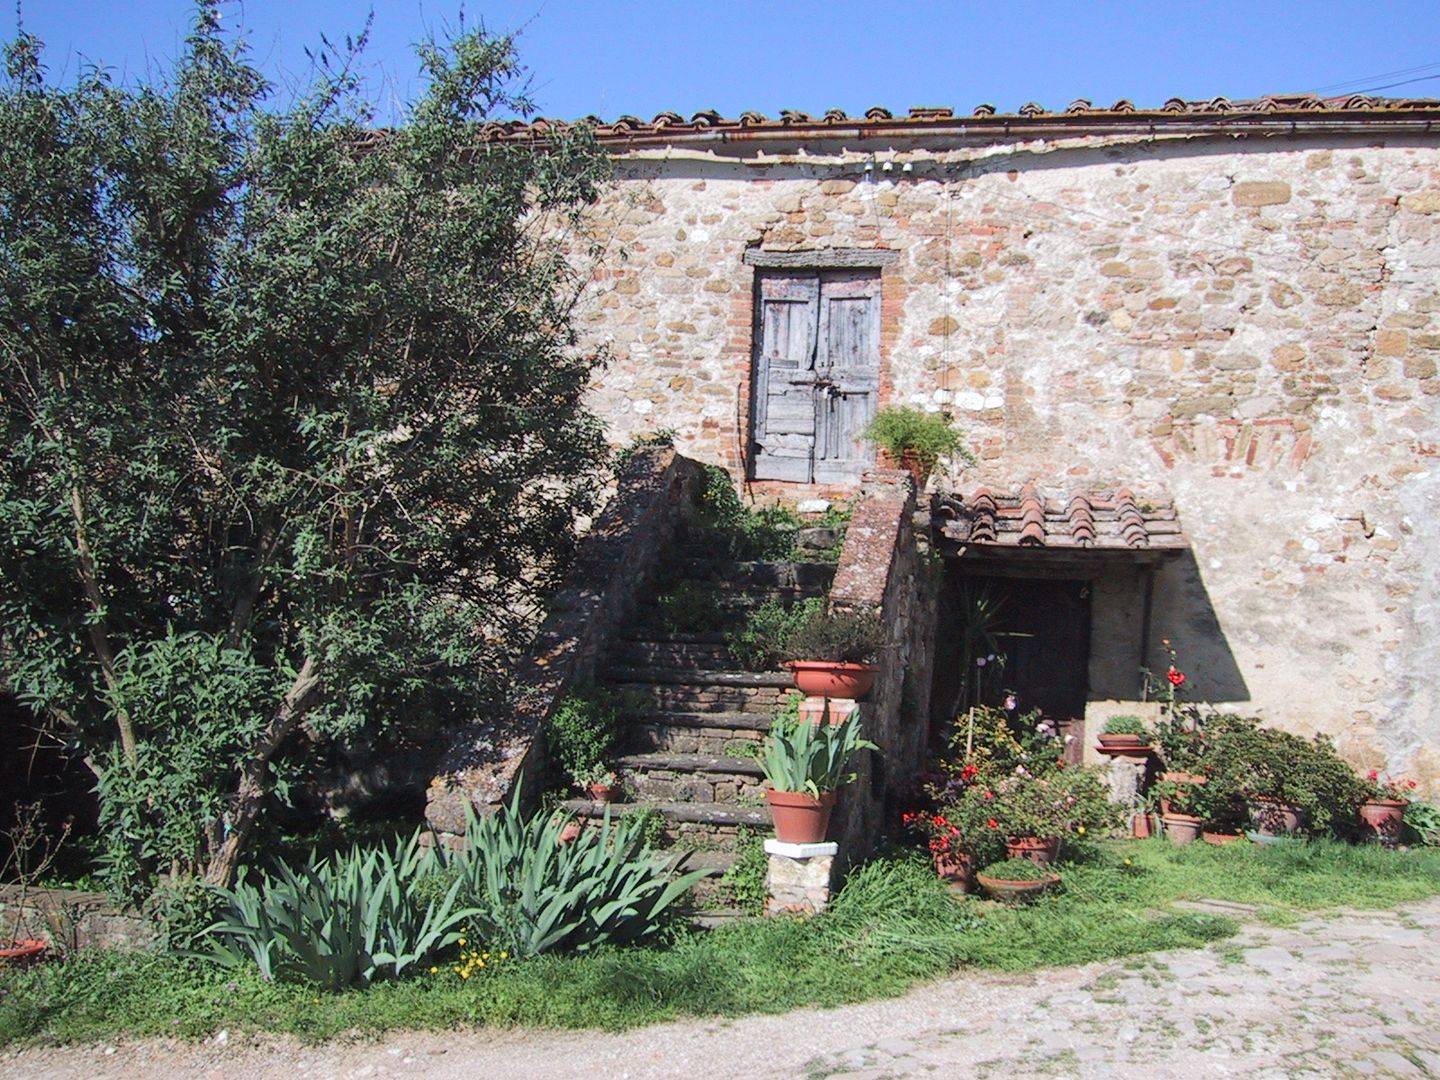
(608, 57)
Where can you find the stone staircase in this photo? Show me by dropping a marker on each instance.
(695, 712)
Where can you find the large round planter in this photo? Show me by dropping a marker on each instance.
(1125, 746)
(1015, 891)
(1037, 849)
(22, 951)
(822, 678)
(800, 818)
(1383, 819)
(1182, 829)
(1272, 817)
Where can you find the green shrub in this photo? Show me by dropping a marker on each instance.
(743, 882)
(1244, 760)
(348, 919)
(761, 641)
(581, 731)
(898, 428)
(645, 440)
(1422, 823)
(841, 638)
(690, 608)
(533, 894)
(765, 533)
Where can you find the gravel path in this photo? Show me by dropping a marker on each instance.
(1347, 994)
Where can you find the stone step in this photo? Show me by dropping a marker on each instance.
(698, 822)
(691, 778)
(699, 677)
(683, 655)
(695, 733)
(664, 697)
(810, 578)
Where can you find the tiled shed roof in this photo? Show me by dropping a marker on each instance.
(1080, 114)
(1107, 520)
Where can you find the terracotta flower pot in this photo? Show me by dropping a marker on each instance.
(1182, 829)
(800, 818)
(1273, 817)
(1140, 826)
(956, 867)
(22, 951)
(1193, 778)
(823, 678)
(604, 792)
(1383, 819)
(834, 710)
(1015, 891)
(1125, 746)
(1037, 849)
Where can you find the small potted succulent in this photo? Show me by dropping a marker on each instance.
(1016, 879)
(834, 655)
(915, 439)
(1125, 736)
(806, 764)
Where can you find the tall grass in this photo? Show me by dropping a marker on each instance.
(892, 925)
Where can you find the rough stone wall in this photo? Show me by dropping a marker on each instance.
(70, 919)
(1250, 326)
(599, 594)
(880, 572)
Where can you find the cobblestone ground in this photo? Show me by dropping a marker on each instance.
(1343, 995)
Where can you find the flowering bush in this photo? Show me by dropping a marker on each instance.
(1387, 788)
(942, 836)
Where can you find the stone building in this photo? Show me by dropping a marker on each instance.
(1193, 347)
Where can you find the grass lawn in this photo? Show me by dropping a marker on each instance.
(893, 925)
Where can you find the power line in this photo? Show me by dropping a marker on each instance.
(1372, 78)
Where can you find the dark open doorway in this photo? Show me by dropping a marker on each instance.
(1038, 632)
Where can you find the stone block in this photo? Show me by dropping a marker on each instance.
(1422, 202)
(1260, 193)
(799, 884)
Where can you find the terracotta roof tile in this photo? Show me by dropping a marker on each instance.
(1095, 520)
(1078, 115)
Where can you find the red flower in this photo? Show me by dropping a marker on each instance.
(989, 795)
(1411, 785)
(1175, 677)
(992, 824)
(1373, 774)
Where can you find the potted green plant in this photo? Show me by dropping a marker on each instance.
(1382, 813)
(580, 733)
(805, 765)
(602, 784)
(834, 655)
(916, 439)
(1125, 736)
(1032, 810)
(1016, 879)
(1180, 810)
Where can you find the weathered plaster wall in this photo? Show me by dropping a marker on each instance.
(1251, 326)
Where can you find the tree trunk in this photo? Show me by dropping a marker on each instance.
(250, 792)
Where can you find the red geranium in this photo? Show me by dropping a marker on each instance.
(1176, 678)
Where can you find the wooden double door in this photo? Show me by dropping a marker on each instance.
(816, 374)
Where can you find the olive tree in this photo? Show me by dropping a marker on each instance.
(294, 432)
